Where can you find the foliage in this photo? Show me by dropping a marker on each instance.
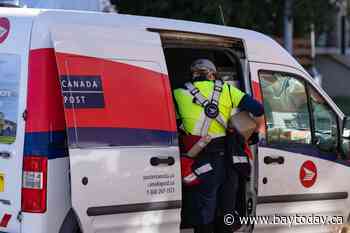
(261, 15)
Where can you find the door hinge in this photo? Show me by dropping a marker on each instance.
(25, 115)
(20, 216)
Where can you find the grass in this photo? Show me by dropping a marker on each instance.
(344, 104)
(7, 139)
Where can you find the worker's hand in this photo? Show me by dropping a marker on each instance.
(189, 178)
(260, 123)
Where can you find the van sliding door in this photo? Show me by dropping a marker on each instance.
(124, 159)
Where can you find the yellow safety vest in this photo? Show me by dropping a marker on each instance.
(192, 114)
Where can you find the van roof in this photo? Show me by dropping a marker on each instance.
(257, 44)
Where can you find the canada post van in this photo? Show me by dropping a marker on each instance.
(88, 135)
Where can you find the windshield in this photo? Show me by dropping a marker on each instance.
(9, 82)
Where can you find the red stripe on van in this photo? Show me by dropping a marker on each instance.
(134, 97)
(258, 96)
(44, 102)
(257, 91)
(5, 220)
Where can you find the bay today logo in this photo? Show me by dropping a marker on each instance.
(289, 220)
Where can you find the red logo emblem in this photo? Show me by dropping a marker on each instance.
(4, 29)
(308, 174)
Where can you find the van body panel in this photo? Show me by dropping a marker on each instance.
(45, 115)
(129, 47)
(45, 134)
(14, 62)
(119, 117)
(58, 200)
(127, 187)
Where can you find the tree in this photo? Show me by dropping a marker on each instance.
(261, 15)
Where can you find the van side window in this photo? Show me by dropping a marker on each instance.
(9, 83)
(286, 108)
(324, 121)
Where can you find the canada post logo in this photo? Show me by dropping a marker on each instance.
(4, 29)
(82, 91)
(308, 174)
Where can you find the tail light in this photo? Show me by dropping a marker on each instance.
(34, 184)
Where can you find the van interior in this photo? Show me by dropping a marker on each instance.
(181, 49)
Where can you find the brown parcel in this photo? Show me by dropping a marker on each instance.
(243, 123)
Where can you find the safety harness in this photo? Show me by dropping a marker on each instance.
(211, 107)
(211, 111)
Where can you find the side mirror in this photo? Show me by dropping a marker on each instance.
(345, 140)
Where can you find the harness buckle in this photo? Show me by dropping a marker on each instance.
(211, 110)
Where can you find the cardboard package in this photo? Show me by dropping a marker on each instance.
(243, 123)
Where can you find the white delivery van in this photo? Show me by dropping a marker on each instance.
(88, 136)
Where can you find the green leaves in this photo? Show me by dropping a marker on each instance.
(261, 15)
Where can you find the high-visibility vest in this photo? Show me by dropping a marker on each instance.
(192, 112)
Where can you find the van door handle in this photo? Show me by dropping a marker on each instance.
(5, 154)
(155, 161)
(5, 202)
(270, 160)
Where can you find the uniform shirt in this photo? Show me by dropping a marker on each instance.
(192, 114)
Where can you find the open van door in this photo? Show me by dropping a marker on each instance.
(121, 126)
(14, 47)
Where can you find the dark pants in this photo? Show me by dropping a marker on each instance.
(215, 195)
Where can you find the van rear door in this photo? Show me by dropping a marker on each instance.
(124, 158)
(14, 47)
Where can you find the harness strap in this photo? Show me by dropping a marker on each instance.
(199, 98)
(211, 108)
(218, 84)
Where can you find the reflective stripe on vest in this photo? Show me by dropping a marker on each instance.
(197, 172)
(240, 159)
(211, 108)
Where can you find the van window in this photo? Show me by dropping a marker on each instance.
(325, 122)
(286, 108)
(9, 82)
